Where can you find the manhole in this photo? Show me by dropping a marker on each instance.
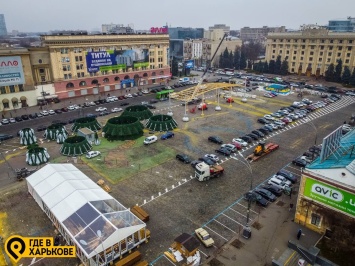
(257, 225)
(215, 262)
(280, 203)
(237, 244)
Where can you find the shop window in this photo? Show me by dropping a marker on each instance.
(20, 87)
(315, 219)
(82, 83)
(12, 88)
(70, 85)
(6, 105)
(117, 78)
(2, 90)
(106, 80)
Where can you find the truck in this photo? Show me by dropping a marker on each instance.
(185, 79)
(204, 171)
(261, 150)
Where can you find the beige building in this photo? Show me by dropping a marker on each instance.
(202, 50)
(258, 34)
(312, 50)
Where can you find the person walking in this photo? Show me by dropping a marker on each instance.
(299, 233)
(291, 207)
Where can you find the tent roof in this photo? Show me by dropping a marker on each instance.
(93, 219)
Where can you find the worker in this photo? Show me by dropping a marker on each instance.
(299, 233)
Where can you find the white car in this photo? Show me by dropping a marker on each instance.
(283, 179)
(241, 142)
(115, 110)
(128, 96)
(150, 140)
(76, 107)
(114, 98)
(5, 121)
(92, 154)
(44, 113)
(205, 238)
(109, 99)
(91, 103)
(213, 157)
(12, 120)
(71, 107)
(101, 109)
(229, 146)
(51, 112)
(274, 126)
(269, 117)
(145, 92)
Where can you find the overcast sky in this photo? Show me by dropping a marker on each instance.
(45, 15)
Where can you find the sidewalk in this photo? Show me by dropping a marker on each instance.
(270, 241)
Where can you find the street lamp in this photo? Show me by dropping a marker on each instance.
(218, 107)
(170, 112)
(310, 123)
(185, 118)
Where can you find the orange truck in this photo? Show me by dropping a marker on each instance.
(261, 150)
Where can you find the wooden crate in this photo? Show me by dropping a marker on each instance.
(130, 260)
(140, 213)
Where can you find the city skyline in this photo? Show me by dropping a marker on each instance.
(42, 16)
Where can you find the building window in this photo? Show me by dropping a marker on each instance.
(294, 58)
(273, 51)
(82, 83)
(303, 46)
(340, 41)
(293, 64)
(294, 52)
(287, 52)
(349, 48)
(330, 47)
(41, 70)
(320, 59)
(64, 50)
(312, 47)
(315, 219)
(12, 88)
(43, 78)
(322, 47)
(311, 53)
(273, 57)
(321, 53)
(339, 54)
(151, 53)
(340, 48)
(280, 51)
(65, 59)
(350, 41)
(329, 54)
(2, 90)
(331, 41)
(311, 59)
(79, 66)
(106, 80)
(296, 40)
(328, 60)
(347, 61)
(78, 58)
(20, 87)
(66, 68)
(40, 61)
(322, 41)
(302, 53)
(301, 58)
(303, 40)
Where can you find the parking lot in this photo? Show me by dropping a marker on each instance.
(177, 202)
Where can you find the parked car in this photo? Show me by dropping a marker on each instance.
(273, 189)
(251, 195)
(213, 157)
(205, 238)
(215, 139)
(12, 120)
(101, 109)
(224, 151)
(299, 162)
(5, 137)
(51, 112)
(230, 147)
(167, 135)
(44, 113)
(150, 140)
(253, 136)
(240, 141)
(92, 154)
(283, 179)
(264, 131)
(266, 194)
(258, 133)
(24, 117)
(58, 111)
(183, 157)
(18, 119)
(288, 175)
(115, 110)
(124, 104)
(247, 139)
(33, 116)
(278, 183)
(263, 121)
(207, 160)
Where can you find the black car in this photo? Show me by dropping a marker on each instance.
(183, 157)
(206, 160)
(253, 136)
(195, 162)
(247, 139)
(264, 131)
(33, 116)
(224, 151)
(59, 122)
(64, 109)
(24, 117)
(290, 108)
(91, 115)
(58, 111)
(5, 137)
(266, 194)
(215, 139)
(41, 128)
(124, 104)
(104, 113)
(153, 101)
(263, 121)
(18, 119)
(251, 195)
(315, 149)
(299, 162)
(258, 133)
(102, 101)
(288, 175)
(97, 102)
(273, 189)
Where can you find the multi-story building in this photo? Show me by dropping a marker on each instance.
(98, 64)
(74, 65)
(116, 28)
(258, 34)
(184, 33)
(3, 30)
(327, 187)
(311, 50)
(342, 25)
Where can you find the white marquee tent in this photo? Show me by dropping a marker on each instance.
(101, 228)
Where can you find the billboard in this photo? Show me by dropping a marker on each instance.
(11, 72)
(117, 59)
(189, 64)
(330, 196)
(331, 143)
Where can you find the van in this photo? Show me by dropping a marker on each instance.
(278, 183)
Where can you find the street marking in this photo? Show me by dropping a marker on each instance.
(216, 233)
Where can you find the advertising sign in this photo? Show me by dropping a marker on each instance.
(331, 196)
(331, 143)
(117, 59)
(11, 72)
(159, 30)
(189, 64)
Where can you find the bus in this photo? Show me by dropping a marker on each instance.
(163, 94)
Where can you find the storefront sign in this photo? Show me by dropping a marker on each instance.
(159, 30)
(11, 72)
(329, 195)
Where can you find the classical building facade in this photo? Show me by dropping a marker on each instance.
(312, 50)
(326, 194)
(98, 64)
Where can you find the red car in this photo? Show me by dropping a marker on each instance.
(230, 100)
(285, 120)
(237, 145)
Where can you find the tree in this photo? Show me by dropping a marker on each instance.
(236, 58)
(230, 60)
(338, 70)
(221, 61)
(345, 78)
(243, 60)
(278, 65)
(352, 78)
(249, 64)
(252, 50)
(284, 68)
(265, 68)
(175, 67)
(226, 58)
(272, 67)
(329, 74)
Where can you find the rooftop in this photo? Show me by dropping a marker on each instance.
(340, 165)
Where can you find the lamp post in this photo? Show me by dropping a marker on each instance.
(185, 118)
(170, 112)
(247, 228)
(218, 107)
(310, 123)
